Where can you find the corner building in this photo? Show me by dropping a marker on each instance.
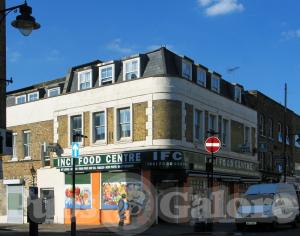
(146, 114)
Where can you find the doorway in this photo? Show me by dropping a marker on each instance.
(47, 196)
(15, 210)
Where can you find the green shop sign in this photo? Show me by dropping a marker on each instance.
(166, 159)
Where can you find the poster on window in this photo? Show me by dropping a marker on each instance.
(113, 188)
(83, 196)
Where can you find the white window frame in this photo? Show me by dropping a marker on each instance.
(31, 94)
(14, 147)
(104, 141)
(249, 137)
(237, 94)
(28, 144)
(190, 65)
(116, 122)
(53, 89)
(79, 73)
(70, 136)
(279, 134)
(226, 143)
(112, 66)
(287, 136)
(24, 96)
(216, 122)
(200, 141)
(217, 78)
(200, 82)
(138, 59)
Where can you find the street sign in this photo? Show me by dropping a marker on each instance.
(212, 144)
(75, 150)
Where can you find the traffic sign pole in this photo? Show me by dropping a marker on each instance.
(212, 145)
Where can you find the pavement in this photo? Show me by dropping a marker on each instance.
(156, 230)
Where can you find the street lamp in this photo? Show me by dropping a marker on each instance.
(23, 22)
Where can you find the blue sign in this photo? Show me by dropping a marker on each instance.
(75, 150)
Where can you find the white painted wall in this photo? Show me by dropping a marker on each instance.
(53, 178)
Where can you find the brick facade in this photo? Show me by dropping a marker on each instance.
(110, 125)
(63, 131)
(139, 121)
(167, 119)
(189, 121)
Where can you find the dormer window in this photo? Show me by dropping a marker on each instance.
(237, 94)
(21, 99)
(215, 83)
(131, 69)
(186, 70)
(53, 92)
(106, 74)
(84, 79)
(201, 77)
(33, 96)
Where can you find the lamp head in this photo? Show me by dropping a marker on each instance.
(25, 22)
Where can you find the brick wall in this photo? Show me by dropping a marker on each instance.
(237, 136)
(167, 119)
(189, 121)
(110, 125)
(139, 121)
(63, 131)
(86, 126)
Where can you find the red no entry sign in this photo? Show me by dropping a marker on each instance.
(212, 144)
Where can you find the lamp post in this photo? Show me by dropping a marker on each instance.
(75, 138)
(25, 23)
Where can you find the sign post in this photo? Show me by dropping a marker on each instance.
(75, 154)
(212, 145)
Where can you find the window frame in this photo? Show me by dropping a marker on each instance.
(33, 93)
(200, 140)
(70, 127)
(28, 157)
(93, 133)
(216, 78)
(249, 136)
(21, 96)
(239, 97)
(279, 134)
(138, 59)
(79, 73)
(190, 65)
(53, 89)
(14, 147)
(117, 128)
(226, 143)
(287, 136)
(112, 66)
(199, 69)
(216, 122)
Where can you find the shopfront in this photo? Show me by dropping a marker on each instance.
(102, 179)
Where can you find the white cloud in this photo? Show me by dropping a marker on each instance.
(14, 56)
(291, 34)
(116, 46)
(204, 3)
(54, 55)
(220, 7)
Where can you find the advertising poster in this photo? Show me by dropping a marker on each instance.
(83, 196)
(113, 188)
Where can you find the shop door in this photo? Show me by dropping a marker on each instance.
(47, 196)
(162, 189)
(15, 204)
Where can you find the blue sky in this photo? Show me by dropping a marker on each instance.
(262, 37)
